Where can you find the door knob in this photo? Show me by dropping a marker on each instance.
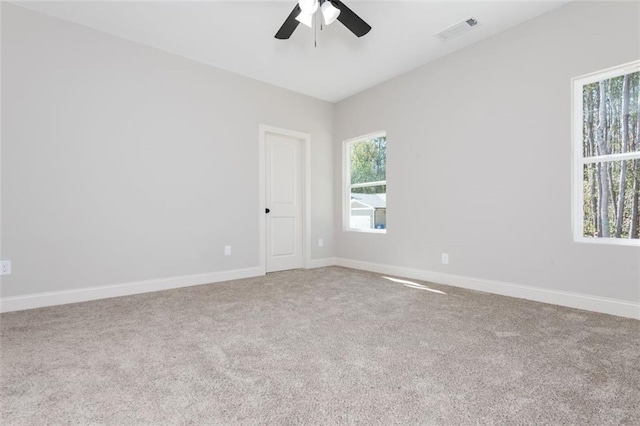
(267, 210)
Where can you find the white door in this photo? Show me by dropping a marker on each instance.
(283, 158)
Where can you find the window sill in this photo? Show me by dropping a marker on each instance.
(608, 241)
(365, 231)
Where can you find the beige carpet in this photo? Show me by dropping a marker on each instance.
(318, 347)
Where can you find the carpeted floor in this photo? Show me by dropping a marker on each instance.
(318, 347)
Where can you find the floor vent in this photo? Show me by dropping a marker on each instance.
(457, 29)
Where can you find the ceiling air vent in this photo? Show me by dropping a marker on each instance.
(457, 29)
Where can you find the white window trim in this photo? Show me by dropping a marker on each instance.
(579, 161)
(346, 183)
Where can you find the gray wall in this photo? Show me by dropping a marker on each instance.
(479, 156)
(123, 163)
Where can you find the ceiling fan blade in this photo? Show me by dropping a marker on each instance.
(289, 25)
(349, 19)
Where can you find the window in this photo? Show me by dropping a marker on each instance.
(606, 138)
(365, 176)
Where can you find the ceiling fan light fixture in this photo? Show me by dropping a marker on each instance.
(305, 19)
(329, 12)
(304, 11)
(308, 7)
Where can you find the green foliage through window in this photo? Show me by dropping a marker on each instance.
(366, 204)
(369, 160)
(611, 130)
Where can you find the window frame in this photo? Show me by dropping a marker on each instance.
(579, 160)
(347, 186)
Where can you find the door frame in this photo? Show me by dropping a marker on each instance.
(305, 139)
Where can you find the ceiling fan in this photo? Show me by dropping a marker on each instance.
(331, 10)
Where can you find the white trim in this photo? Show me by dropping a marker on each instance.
(368, 184)
(52, 298)
(305, 138)
(1, 174)
(345, 200)
(607, 73)
(586, 302)
(574, 300)
(321, 263)
(306, 213)
(367, 230)
(611, 157)
(578, 160)
(347, 186)
(262, 229)
(577, 202)
(368, 136)
(632, 242)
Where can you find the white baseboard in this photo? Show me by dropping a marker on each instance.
(604, 305)
(321, 263)
(39, 300)
(573, 300)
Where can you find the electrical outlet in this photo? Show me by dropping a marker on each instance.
(6, 267)
(445, 258)
(320, 242)
(227, 250)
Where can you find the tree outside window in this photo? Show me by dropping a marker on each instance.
(366, 183)
(607, 151)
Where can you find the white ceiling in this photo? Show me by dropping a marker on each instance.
(238, 36)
